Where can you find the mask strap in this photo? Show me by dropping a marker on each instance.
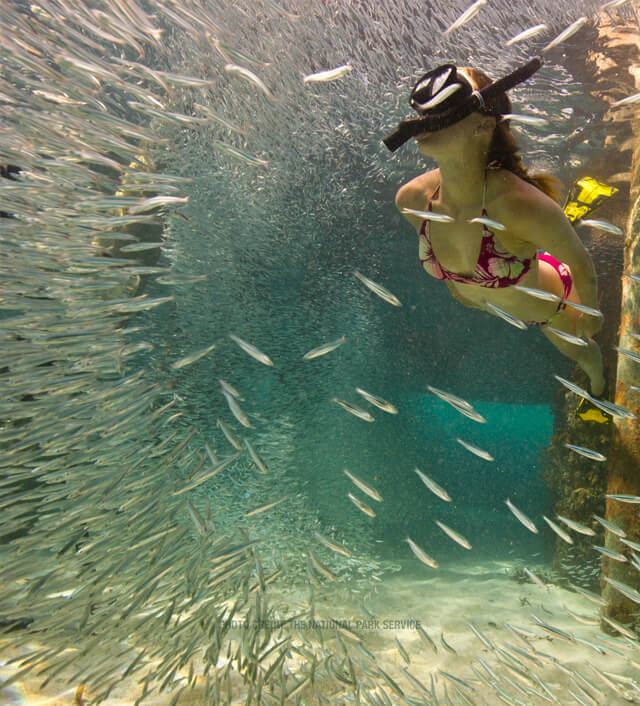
(478, 96)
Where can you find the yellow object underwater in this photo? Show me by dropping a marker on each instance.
(588, 413)
(585, 196)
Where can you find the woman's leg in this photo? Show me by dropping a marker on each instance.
(588, 357)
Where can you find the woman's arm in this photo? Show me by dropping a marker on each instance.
(415, 194)
(533, 217)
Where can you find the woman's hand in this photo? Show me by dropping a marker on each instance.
(587, 325)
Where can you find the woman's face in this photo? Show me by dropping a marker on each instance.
(456, 138)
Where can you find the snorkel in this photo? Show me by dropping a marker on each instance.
(444, 96)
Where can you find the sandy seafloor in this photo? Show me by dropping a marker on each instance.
(445, 601)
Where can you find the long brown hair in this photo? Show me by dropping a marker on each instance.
(504, 147)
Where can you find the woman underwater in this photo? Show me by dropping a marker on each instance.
(526, 239)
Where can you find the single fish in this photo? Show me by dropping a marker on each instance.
(338, 548)
(239, 154)
(467, 15)
(558, 530)
(470, 413)
(251, 77)
(424, 635)
(206, 475)
(320, 567)
(229, 388)
(324, 349)
(576, 526)
(612, 409)
(629, 100)
(526, 34)
(255, 456)
(156, 202)
(192, 357)
(139, 247)
(485, 640)
(281, 11)
(602, 225)
(356, 411)
(538, 293)
(230, 436)
(264, 508)
(614, 529)
(421, 554)
(616, 556)
(587, 453)
(377, 401)
(489, 222)
(456, 680)
(236, 411)
(361, 506)
(633, 499)
(581, 618)
(622, 629)
(366, 489)
(535, 579)
(585, 309)
(565, 34)
(433, 486)
(521, 516)
(402, 651)
(456, 536)
(532, 120)
(446, 645)
(573, 387)
(569, 338)
(626, 590)
(378, 289)
(513, 320)
(251, 350)
(613, 3)
(329, 74)
(594, 597)
(476, 450)
(429, 215)
(450, 398)
(629, 543)
(628, 354)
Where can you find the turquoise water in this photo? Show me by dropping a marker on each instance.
(114, 543)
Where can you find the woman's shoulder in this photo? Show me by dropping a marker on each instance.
(416, 192)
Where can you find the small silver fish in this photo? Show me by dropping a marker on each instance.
(587, 453)
(450, 398)
(456, 536)
(634, 499)
(338, 548)
(231, 437)
(361, 506)
(236, 411)
(255, 456)
(532, 120)
(629, 100)
(565, 34)
(251, 77)
(626, 590)
(616, 556)
(558, 530)
(573, 387)
(521, 516)
(509, 318)
(585, 309)
(602, 225)
(576, 526)
(377, 401)
(535, 579)
(264, 508)
(251, 350)
(429, 215)
(324, 349)
(356, 411)
(628, 354)
(476, 450)
(489, 222)
(526, 34)
(588, 594)
(538, 293)
(467, 15)
(156, 202)
(614, 529)
(421, 554)
(329, 74)
(433, 486)
(612, 409)
(378, 289)
(471, 413)
(192, 357)
(229, 388)
(446, 645)
(367, 489)
(239, 154)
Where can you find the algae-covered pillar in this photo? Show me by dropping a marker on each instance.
(624, 463)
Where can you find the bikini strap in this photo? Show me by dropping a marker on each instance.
(492, 165)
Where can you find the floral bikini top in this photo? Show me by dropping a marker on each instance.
(495, 267)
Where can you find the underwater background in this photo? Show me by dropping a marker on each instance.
(124, 569)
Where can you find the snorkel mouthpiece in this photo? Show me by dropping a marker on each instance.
(443, 97)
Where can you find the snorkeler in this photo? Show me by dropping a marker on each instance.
(494, 225)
